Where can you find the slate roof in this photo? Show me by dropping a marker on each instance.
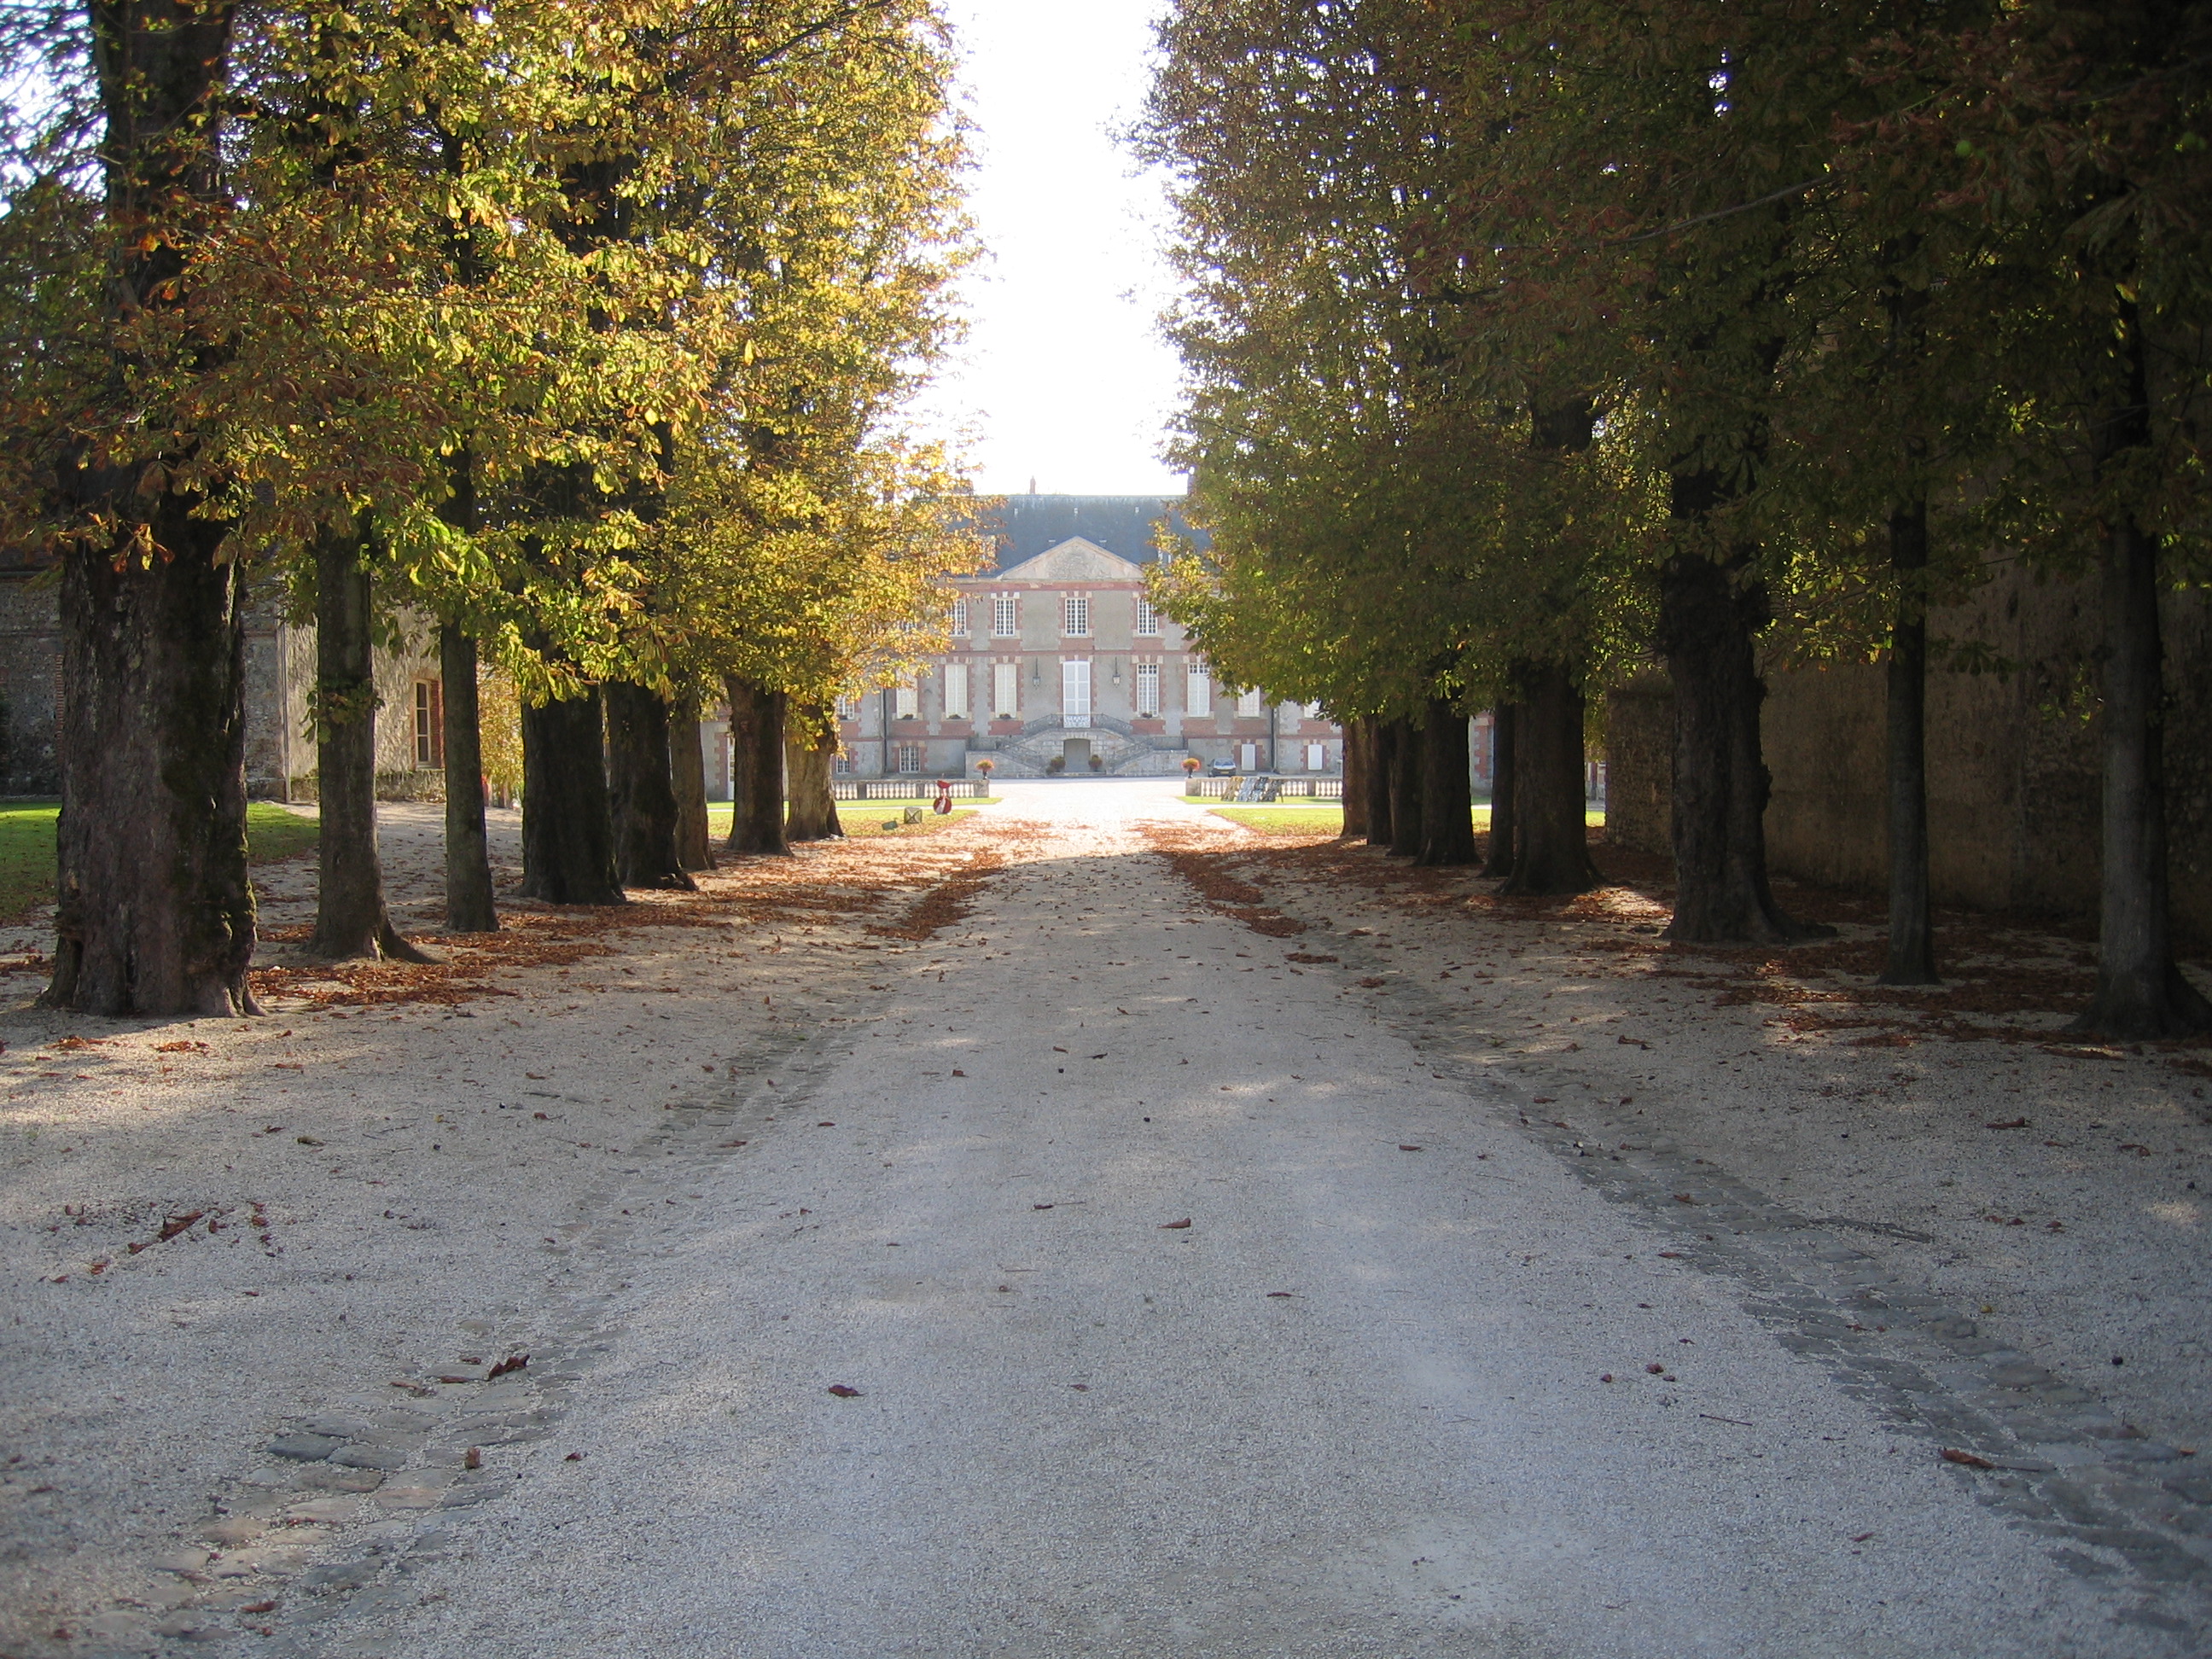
(1027, 525)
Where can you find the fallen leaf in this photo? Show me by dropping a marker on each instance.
(307, 1141)
(1862, 1538)
(1174, 1226)
(258, 1607)
(1369, 983)
(2012, 1124)
(1607, 1377)
(843, 1392)
(541, 1117)
(826, 1124)
(957, 1071)
(473, 1458)
(1967, 1459)
(1039, 1207)
(513, 1362)
(1655, 1369)
(1282, 1293)
(1080, 1388)
(728, 1144)
(573, 1457)
(1403, 1147)
(1684, 1198)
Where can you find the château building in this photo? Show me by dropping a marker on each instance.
(1059, 664)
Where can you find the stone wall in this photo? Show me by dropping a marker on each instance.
(2012, 767)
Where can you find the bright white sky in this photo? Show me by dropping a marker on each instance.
(1064, 377)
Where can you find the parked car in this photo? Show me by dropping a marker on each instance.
(1223, 769)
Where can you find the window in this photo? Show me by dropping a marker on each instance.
(1075, 614)
(959, 615)
(909, 758)
(1075, 692)
(1248, 704)
(1197, 690)
(906, 701)
(1006, 690)
(954, 679)
(429, 723)
(1148, 690)
(1006, 617)
(1148, 620)
(849, 707)
(841, 764)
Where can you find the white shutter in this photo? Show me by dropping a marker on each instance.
(1248, 704)
(954, 679)
(1198, 691)
(1006, 690)
(907, 701)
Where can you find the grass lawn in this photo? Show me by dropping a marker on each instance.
(26, 846)
(1327, 818)
(867, 818)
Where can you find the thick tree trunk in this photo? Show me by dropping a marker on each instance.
(2141, 994)
(1358, 735)
(351, 919)
(810, 750)
(155, 914)
(1406, 768)
(1382, 781)
(641, 790)
(567, 825)
(1707, 624)
(756, 720)
(687, 761)
(468, 905)
(1912, 958)
(1505, 789)
(1553, 856)
(1447, 794)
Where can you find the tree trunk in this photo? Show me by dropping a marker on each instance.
(1381, 780)
(810, 750)
(351, 919)
(1358, 735)
(1911, 938)
(154, 913)
(756, 719)
(1447, 795)
(641, 790)
(1505, 789)
(567, 825)
(1553, 854)
(468, 905)
(2141, 994)
(1707, 623)
(1406, 752)
(687, 772)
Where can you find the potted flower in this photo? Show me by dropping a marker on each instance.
(984, 768)
(1190, 765)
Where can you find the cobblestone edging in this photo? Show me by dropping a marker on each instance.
(303, 1552)
(2117, 1506)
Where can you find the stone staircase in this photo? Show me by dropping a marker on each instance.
(1043, 742)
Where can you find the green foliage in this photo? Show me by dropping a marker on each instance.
(1804, 268)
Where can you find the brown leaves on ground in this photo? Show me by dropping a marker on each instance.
(844, 1391)
(824, 879)
(1966, 1458)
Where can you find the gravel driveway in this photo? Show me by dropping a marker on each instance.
(1097, 1280)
